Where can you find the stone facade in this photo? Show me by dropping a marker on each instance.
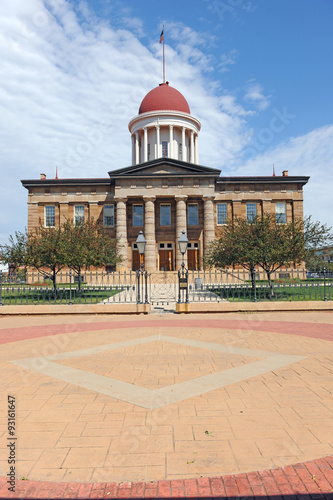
(162, 198)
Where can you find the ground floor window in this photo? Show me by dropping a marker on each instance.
(281, 213)
(78, 214)
(251, 212)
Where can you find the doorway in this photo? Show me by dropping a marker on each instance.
(193, 257)
(166, 259)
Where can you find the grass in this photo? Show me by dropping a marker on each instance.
(33, 295)
(298, 292)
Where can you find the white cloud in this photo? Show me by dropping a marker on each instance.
(254, 94)
(227, 60)
(307, 155)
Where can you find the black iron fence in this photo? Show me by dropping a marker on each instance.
(196, 286)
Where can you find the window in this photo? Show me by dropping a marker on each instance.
(78, 214)
(165, 215)
(50, 216)
(221, 213)
(180, 152)
(164, 149)
(192, 214)
(138, 215)
(281, 215)
(251, 211)
(148, 151)
(108, 215)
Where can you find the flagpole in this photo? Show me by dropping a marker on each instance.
(163, 59)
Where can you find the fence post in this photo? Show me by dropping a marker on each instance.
(325, 296)
(255, 286)
(70, 287)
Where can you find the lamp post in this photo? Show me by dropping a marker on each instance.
(141, 272)
(183, 273)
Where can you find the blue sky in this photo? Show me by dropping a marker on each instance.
(257, 74)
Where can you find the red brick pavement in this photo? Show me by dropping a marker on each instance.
(313, 330)
(305, 481)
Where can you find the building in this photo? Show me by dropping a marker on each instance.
(164, 191)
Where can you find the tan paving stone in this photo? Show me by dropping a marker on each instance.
(245, 447)
(78, 475)
(37, 440)
(84, 442)
(52, 458)
(79, 458)
(205, 464)
(105, 429)
(125, 474)
(323, 434)
(74, 429)
(135, 460)
(183, 432)
(48, 474)
(277, 447)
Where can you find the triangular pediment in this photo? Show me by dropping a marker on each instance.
(165, 167)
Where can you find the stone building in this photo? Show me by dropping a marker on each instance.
(164, 191)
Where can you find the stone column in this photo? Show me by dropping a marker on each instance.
(196, 149)
(192, 147)
(133, 149)
(171, 141)
(121, 230)
(145, 144)
(158, 140)
(149, 232)
(137, 152)
(209, 222)
(181, 225)
(184, 144)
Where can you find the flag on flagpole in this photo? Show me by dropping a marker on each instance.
(162, 36)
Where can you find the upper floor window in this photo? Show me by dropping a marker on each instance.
(164, 149)
(138, 215)
(221, 213)
(78, 214)
(49, 213)
(165, 215)
(251, 211)
(149, 151)
(192, 214)
(281, 213)
(108, 215)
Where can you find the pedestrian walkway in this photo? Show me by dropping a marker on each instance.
(165, 405)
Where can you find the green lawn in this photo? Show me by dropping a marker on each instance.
(299, 292)
(31, 294)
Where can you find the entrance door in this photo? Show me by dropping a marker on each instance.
(193, 259)
(136, 260)
(166, 260)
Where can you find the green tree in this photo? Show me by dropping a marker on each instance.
(316, 236)
(88, 245)
(46, 252)
(15, 252)
(235, 246)
(262, 242)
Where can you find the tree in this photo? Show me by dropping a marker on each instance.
(262, 242)
(46, 251)
(236, 246)
(88, 245)
(316, 236)
(15, 253)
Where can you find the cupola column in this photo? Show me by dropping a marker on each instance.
(171, 141)
(192, 147)
(158, 140)
(196, 149)
(184, 150)
(133, 149)
(145, 144)
(137, 159)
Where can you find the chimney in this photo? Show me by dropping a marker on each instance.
(285, 173)
(42, 177)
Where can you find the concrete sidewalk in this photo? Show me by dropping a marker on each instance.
(119, 399)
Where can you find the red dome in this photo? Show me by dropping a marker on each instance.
(164, 98)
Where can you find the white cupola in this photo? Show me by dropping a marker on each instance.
(164, 128)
